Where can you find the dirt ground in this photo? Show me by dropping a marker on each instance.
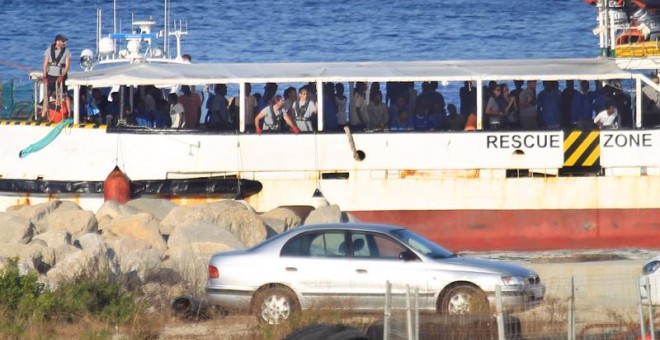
(244, 327)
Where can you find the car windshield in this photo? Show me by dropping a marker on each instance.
(421, 244)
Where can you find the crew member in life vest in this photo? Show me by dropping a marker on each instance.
(57, 61)
(303, 110)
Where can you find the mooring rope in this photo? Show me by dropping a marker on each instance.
(46, 140)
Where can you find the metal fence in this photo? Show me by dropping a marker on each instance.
(593, 308)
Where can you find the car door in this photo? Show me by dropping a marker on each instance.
(314, 264)
(374, 261)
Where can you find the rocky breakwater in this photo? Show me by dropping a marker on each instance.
(148, 242)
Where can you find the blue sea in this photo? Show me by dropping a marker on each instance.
(306, 30)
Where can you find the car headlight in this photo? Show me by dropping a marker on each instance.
(514, 280)
(651, 267)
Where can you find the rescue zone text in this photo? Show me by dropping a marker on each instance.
(528, 141)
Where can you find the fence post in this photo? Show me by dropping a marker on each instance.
(651, 321)
(388, 310)
(571, 312)
(642, 326)
(500, 316)
(416, 313)
(409, 321)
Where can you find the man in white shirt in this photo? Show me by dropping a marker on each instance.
(608, 118)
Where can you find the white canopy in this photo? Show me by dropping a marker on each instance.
(464, 70)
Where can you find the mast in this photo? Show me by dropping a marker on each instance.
(166, 24)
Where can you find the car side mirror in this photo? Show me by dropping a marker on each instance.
(407, 255)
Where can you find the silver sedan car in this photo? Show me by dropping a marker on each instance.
(346, 266)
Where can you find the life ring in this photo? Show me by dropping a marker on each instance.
(117, 187)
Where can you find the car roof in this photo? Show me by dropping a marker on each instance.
(353, 226)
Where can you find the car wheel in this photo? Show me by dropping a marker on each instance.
(463, 299)
(275, 305)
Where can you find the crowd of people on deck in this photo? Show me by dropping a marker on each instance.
(399, 108)
(365, 107)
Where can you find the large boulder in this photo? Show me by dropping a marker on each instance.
(141, 226)
(159, 208)
(92, 262)
(114, 210)
(325, 214)
(15, 228)
(201, 231)
(136, 257)
(54, 238)
(233, 216)
(282, 219)
(36, 214)
(27, 254)
(75, 222)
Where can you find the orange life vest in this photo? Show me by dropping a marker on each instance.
(57, 112)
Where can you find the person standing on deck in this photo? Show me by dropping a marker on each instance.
(527, 106)
(549, 105)
(303, 109)
(340, 103)
(271, 115)
(358, 111)
(192, 106)
(567, 104)
(57, 61)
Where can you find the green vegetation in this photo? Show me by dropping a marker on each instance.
(91, 306)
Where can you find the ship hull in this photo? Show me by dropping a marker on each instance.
(529, 230)
(467, 191)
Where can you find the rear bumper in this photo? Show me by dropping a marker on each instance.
(235, 300)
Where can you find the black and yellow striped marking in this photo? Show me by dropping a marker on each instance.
(582, 149)
(48, 124)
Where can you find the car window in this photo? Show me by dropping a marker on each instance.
(375, 246)
(421, 244)
(317, 244)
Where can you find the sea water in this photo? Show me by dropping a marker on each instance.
(306, 30)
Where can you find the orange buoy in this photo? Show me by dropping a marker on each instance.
(117, 187)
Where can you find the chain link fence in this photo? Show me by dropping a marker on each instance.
(590, 308)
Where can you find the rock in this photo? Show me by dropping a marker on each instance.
(325, 214)
(68, 206)
(87, 263)
(36, 214)
(191, 261)
(159, 208)
(136, 257)
(200, 231)
(140, 227)
(62, 252)
(15, 228)
(27, 254)
(54, 238)
(144, 264)
(282, 219)
(76, 222)
(114, 210)
(230, 215)
(103, 222)
(90, 241)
